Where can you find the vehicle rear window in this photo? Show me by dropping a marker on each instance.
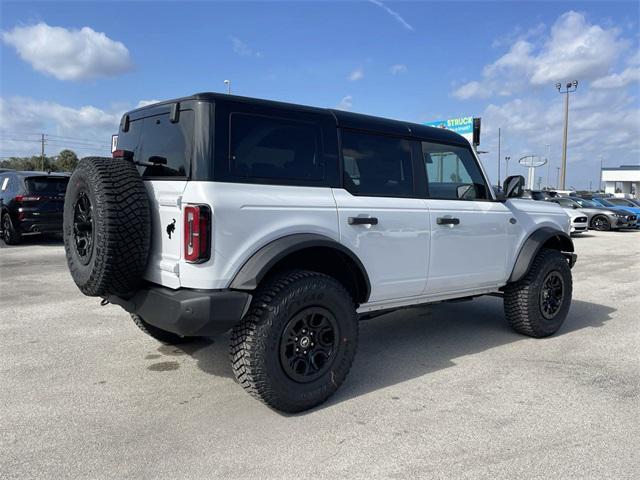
(156, 140)
(46, 185)
(263, 147)
(377, 165)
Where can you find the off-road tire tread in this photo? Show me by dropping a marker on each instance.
(521, 302)
(122, 243)
(246, 364)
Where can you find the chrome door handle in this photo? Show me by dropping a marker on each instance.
(447, 221)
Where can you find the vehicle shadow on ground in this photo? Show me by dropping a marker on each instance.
(410, 343)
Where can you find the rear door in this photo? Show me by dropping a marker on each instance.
(469, 241)
(168, 146)
(380, 216)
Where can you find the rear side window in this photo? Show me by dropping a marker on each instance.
(156, 140)
(271, 148)
(453, 173)
(376, 165)
(46, 185)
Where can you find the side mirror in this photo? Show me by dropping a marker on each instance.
(514, 186)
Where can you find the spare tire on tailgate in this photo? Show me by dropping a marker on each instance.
(106, 226)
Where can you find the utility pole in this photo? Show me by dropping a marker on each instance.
(558, 178)
(569, 88)
(42, 150)
(499, 156)
(548, 166)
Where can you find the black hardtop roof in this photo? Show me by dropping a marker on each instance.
(343, 119)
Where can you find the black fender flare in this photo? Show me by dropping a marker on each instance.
(261, 262)
(534, 243)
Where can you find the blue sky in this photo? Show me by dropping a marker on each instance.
(417, 61)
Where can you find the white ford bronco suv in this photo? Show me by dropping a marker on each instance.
(287, 224)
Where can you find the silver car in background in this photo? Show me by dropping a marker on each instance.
(599, 218)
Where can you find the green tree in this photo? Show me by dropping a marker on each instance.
(66, 161)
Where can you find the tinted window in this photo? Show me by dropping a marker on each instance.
(274, 148)
(603, 202)
(453, 173)
(621, 202)
(157, 140)
(46, 185)
(377, 165)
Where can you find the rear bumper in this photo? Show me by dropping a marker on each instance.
(190, 313)
(40, 226)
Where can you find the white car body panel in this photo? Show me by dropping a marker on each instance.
(409, 258)
(395, 252)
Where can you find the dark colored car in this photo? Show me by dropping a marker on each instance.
(600, 218)
(31, 203)
(620, 204)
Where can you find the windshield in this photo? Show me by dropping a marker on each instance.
(635, 202)
(602, 201)
(47, 185)
(621, 202)
(585, 203)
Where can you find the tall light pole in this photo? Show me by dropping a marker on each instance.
(558, 178)
(569, 87)
(506, 161)
(548, 165)
(228, 84)
(498, 156)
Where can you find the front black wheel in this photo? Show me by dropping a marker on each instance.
(600, 223)
(295, 346)
(10, 234)
(538, 304)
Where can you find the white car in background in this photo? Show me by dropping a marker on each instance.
(579, 220)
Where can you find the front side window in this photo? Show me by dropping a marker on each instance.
(376, 165)
(273, 148)
(453, 173)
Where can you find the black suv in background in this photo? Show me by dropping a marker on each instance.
(31, 202)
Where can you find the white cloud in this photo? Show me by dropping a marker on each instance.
(618, 80)
(69, 54)
(346, 103)
(472, 90)
(241, 48)
(356, 75)
(144, 103)
(398, 68)
(86, 129)
(393, 13)
(574, 49)
(601, 122)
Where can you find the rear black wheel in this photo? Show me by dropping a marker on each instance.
(10, 234)
(600, 223)
(107, 226)
(295, 346)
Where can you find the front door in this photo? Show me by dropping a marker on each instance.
(468, 228)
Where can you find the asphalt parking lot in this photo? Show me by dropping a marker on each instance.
(447, 391)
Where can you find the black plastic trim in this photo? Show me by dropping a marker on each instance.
(186, 312)
(255, 269)
(532, 246)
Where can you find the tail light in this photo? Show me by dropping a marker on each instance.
(197, 233)
(26, 198)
